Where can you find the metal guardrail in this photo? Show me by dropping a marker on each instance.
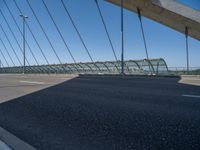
(132, 67)
(157, 66)
(183, 71)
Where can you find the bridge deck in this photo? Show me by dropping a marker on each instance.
(105, 113)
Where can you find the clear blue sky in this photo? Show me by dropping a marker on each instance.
(162, 41)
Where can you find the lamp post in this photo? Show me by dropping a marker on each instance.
(24, 40)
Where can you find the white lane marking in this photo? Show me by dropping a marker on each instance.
(83, 79)
(65, 78)
(75, 78)
(193, 96)
(32, 82)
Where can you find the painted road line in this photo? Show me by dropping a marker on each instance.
(193, 96)
(84, 79)
(32, 82)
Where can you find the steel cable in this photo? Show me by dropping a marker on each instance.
(79, 35)
(7, 52)
(143, 36)
(44, 32)
(16, 38)
(58, 30)
(36, 41)
(4, 58)
(10, 44)
(106, 30)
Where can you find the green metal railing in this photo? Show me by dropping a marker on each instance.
(157, 66)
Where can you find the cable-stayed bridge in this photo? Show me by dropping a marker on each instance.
(170, 13)
(50, 100)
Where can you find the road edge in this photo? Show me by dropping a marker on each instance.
(14, 142)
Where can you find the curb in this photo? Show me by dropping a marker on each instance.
(14, 142)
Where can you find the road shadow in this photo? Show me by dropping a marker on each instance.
(107, 113)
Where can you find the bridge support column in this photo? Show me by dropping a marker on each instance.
(187, 49)
(122, 38)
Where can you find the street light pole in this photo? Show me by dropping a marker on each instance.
(24, 40)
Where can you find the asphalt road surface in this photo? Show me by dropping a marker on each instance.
(107, 113)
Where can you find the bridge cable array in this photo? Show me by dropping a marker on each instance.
(30, 30)
(64, 66)
(107, 33)
(10, 44)
(58, 30)
(7, 52)
(79, 35)
(4, 58)
(16, 38)
(1, 63)
(44, 32)
(11, 31)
